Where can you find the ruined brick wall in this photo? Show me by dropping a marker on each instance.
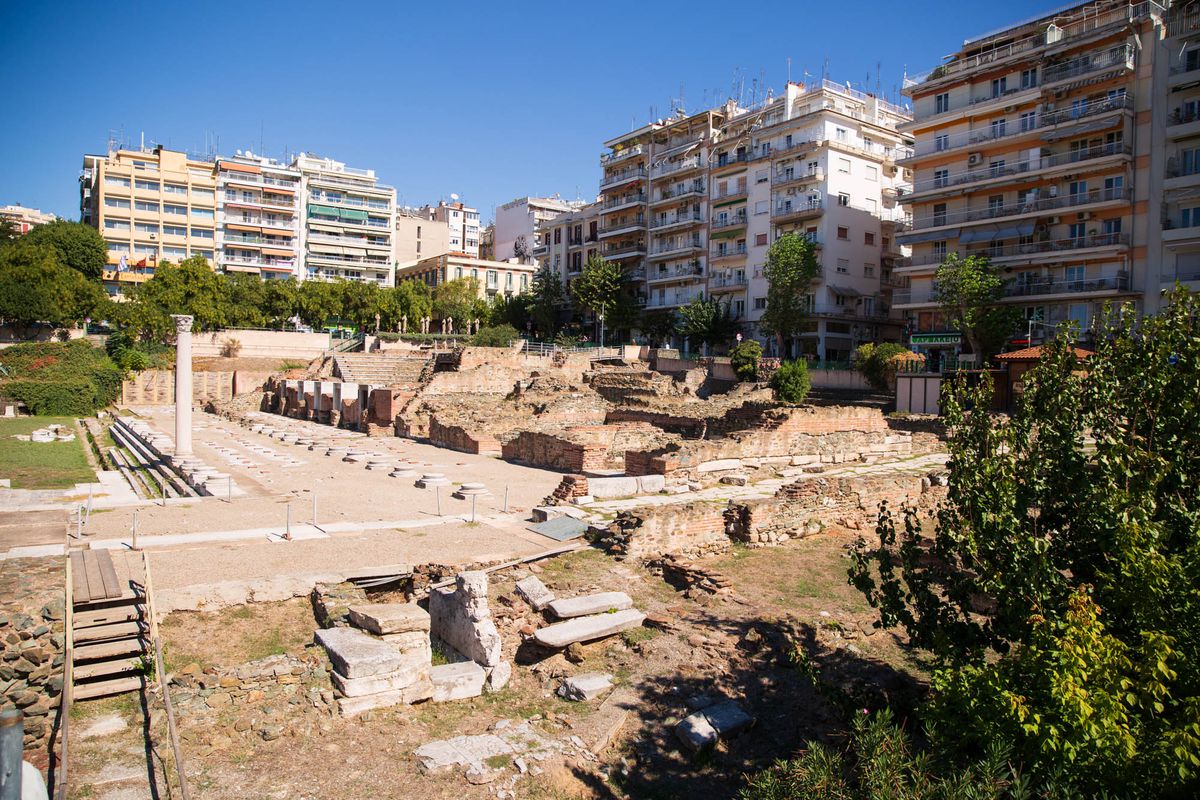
(673, 423)
(692, 529)
(581, 448)
(455, 437)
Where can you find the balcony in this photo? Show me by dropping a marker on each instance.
(1036, 286)
(541, 250)
(680, 272)
(695, 189)
(794, 177)
(676, 167)
(621, 177)
(668, 221)
(344, 259)
(624, 201)
(1005, 170)
(621, 155)
(349, 202)
(1091, 197)
(1185, 233)
(623, 226)
(1116, 57)
(732, 160)
(728, 223)
(616, 251)
(243, 264)
(676, 248)
(722, 254)
(239, 198)
(674, 300)
(789, 211)
(727, 283)
(1048, 250)
(739, 193)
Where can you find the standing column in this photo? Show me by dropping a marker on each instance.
(183, 384)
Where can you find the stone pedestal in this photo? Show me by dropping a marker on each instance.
(183, 384)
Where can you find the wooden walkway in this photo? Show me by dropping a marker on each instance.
(108, 624)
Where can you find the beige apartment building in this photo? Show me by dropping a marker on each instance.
(258, 217)
(24, 219)
(151, 205)
(565, 242)
(419, 236)
(691, 205)
(494, 277)
(1036, 146)
(462, 223)
(518, 221)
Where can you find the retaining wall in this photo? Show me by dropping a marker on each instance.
(262, 344)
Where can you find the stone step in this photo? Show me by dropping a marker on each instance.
(385, 618)
(355, 654)
(586, 629)
(600, 603)
(457, 681)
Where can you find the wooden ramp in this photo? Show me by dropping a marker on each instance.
(109, 625)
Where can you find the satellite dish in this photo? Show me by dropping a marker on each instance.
(453, 196)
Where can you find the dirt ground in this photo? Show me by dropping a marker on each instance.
(740, 646)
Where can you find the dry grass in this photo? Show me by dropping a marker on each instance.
(236, 635)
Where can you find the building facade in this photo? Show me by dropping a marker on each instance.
(24, 219)
(517, 222)
(151, 205)
(462, 224)
(349, 222)
(493, 277)
(258, 217)
(690, 206)
(566, 241)
(1035, 147)
(419, 235)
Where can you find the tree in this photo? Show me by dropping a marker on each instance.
(245, 295)
(1057, 591)
(410, 299)
(791, 382)
(790, 271)
(79, 246)
(317, 303)
(708, 322)
(36, 287)
(876, 362)
(744, 359)
(495, 336)
(458, 300)
(969, 290)
(598, 288)
(658, 325)
(280, 302)
(359, 302)
(189, 288)
(546, 300)
(8, 231)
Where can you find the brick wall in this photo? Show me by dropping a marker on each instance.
(455, 437)
(579, 448)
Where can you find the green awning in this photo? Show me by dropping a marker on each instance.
(349, 213)
(325, 211)
(729, 234)
(741, 199)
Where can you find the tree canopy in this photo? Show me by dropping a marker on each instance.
(969, 290)
(708, 322)
(459, 300)
(546, 300)
(36, 287)
(79, 246)
(790, 270)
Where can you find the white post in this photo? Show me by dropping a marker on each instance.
(183, 384)
(135, 547)
(314, 509)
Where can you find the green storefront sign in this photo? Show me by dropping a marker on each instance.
(936, 338)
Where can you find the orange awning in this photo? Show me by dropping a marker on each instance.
(269, 251)
(279, 189)
(235, 167)
(240, 227)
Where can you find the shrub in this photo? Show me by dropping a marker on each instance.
(60, 378)
(744, 358)
(875, 362)
(231, 347)
(495, 336)
(791, 382)
(568, 339)
(134, 360)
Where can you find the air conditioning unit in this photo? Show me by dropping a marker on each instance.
(1082, 215)
(974, 158)
(1052, 220)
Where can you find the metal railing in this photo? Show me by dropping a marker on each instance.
(637, 222)
(1005, 169)
(787, 209)
(670, 220)
(671, 167)
(787, 176)
(622, 175)
(673, 247)
(696, 188)
(621, 155)
(1092, 62)
(736, 221)
(1032, 248)
(729, 252)
(628, 199)
(1023, 207)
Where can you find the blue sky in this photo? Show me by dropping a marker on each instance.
(486, 100)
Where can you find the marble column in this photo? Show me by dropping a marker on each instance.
(183, 384)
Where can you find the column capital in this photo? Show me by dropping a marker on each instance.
(183, 322)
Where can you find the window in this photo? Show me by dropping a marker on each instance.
(941, 178)
(115, 180)
(999, 128)
(761, 176)
(1029, 78)
(146, 250)
(844, 165)
(174, 188)
(524, 282)
(939, 214)
(868, 270)
(1078, 232)
(1189, 161)
(151, 186)
(996, 205)
(843, 199)
(1077, 190)
(939, 249)
(146, 228)
(840, 134)
(1078, 314)
(200, 195)
(1112, 229)
(1028, 121)
(118, 247)
(870, 204)
(762, 207)
(843, 266)
(997, 167)
(941, 142)
(202, 233)
(1074, 276)
(1114, 187)
(558, 235)
(174, 230)
(508, 282)
(179, 253)
(999, 86)
(115, 202)
(843, 233)
(1079, 107)
(760, 304)
(203, 213)
(146, 205)
(458, 272)
(760, 240)
(872, 172)
(173, 209)
(208, 254)
(869, 238)
(941, 103)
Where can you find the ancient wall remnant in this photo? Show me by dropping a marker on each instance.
(582, 448)
(461, 618)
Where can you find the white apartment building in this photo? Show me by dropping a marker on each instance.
(349, 222)
(693, 203)
(463, 224)
(565, 242)
(24, 219)
(258, 217)
(519, 219)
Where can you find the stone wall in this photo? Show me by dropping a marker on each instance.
(456, 437)
(262, 344)
(581, 448)
(31, 647)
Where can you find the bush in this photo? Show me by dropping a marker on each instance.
(744, 358)
(231, 347)
(791, 382)
(875, 363)
(61, 378)
(134, 360)
(495, 336)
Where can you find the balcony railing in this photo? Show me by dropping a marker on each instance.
(787, 209)
(732, 159)
(621, 155)
(683, 246)
(1028, 288)
(788, 176)
(1034, 248)
(737, 251)
(622, 176)
(1184, 115)
(1092, 62)
(1024, 207)
(731, 282)
(670, 220)
(622, 225)
(363, 260)
(721, 223)
(353, 202)
(237, 197)
(261, 263)
(671, 167)
(624, 200)
(678, 272)
(673, 192)
(674, 300)
(990, 172)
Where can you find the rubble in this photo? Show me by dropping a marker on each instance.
(584, 687)
(587, 629)
(706, 727)
(534, 592)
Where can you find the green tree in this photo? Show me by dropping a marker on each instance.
(1057, 591)
(791, 382)
(280, 302)
(875, 362)
(189, 288)
(546, 301)
(318, 303)
(410, 299)
(8, 231)
(245, 296)
(36, 287)
(495, 336)
(708, 322)
(790, 270)
(658, 325)
(458, 300)
(359, 302)
(79, 246)
(969, 290)
(744, 359)
(598, 289)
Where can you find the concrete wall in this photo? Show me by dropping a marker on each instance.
(41, 333)
(918, 393)
(838, 379)
(262, 344)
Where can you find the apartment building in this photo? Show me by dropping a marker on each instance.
(692, 205)
(518, 221)
(1033, 147)
(463, 224)
(565, 242)
(151, 205)
(487, 242)
(419, 235)
(349, 222)
(258, 217)
(24, 219)
(493, 277)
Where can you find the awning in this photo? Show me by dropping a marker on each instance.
(990, 233)
(235, 167)
(270, 251)
(278, 267)
(325, 211)
(972, 235)
(324, 226)
(237, 226)
(279, 189)
(333, 249)
(350, 213)
(928, 236)
(1070, 131)
(844, 291)
(354, 251)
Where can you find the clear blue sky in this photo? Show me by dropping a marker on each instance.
(491, 101)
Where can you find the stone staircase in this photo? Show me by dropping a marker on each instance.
(378, 369)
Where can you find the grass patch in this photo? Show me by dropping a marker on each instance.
(284, 366)
(237, 635)
(498, 762)
(42, 465)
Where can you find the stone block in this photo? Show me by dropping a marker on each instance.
(384, 618)
(357, 655)
(650, 484)
(612, 487)
(535, 592)
(461, 618)
(375, 684)
(586, 629)
(413, 641)
(588, 686)
(600, 603)
(421, 690)
(584, 500)
(709, 725)
(499, 676)
(719, 465)
(457, 681)
(734, 480)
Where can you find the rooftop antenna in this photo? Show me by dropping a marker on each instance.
(825, 71)
(878, 67)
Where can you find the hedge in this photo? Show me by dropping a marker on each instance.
(60, 378)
